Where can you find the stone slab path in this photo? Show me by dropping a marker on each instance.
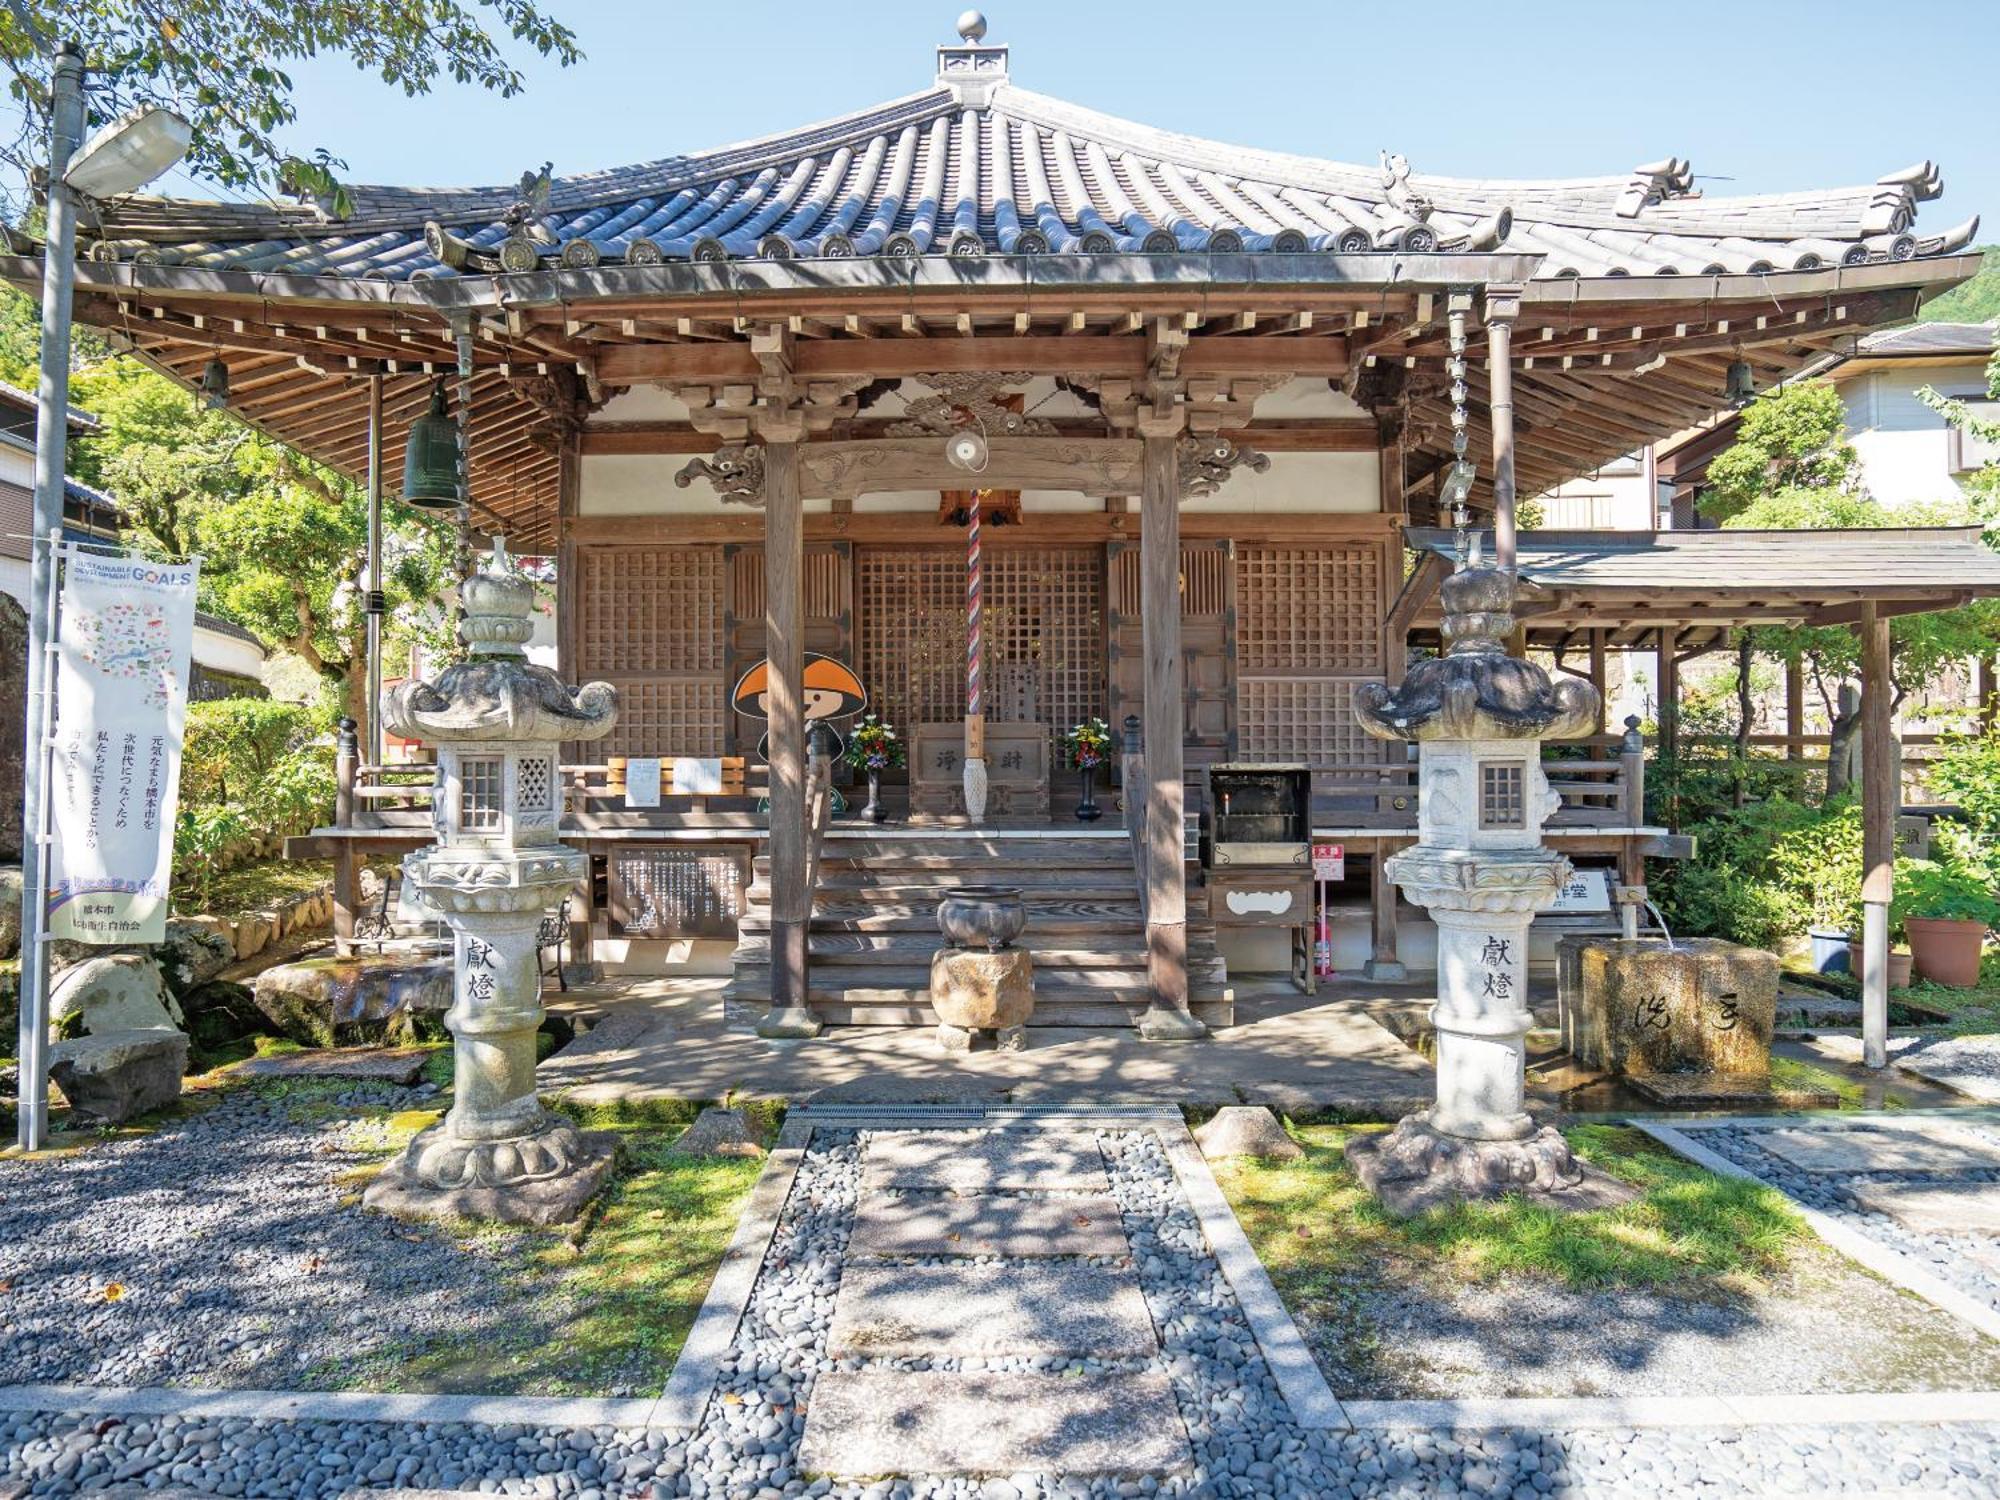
(942, 1422)
(1020, 1225)
(1063, 1310)
(1935, 1147)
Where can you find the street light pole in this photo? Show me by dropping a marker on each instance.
(51, 465)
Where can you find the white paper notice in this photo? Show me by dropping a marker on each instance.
(642, 781)
(698, 775)
(1585, 890)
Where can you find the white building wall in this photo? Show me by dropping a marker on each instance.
(1906, 449)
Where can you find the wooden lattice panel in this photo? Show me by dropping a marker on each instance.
(667, 716)
(650, 610)
(1309, 609)
(824, 582)
(1306, 719)
(1044, 633)
(912, 626)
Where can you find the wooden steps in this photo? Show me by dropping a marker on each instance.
(873, 930)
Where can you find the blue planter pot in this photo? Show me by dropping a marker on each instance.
(1829, 950)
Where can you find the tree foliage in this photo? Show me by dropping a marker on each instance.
(1974, 301)
(1793, 467)
(223, 67)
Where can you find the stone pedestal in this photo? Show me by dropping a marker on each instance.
(978, 989)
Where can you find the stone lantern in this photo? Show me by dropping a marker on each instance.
(496, 722)
(1478, 717)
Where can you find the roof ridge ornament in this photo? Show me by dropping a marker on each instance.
(971, 69)
(1893, 207)
(1655, 182)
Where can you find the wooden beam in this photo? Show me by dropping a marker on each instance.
(1324, 435)
(784, 647)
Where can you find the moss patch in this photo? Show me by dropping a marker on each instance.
(1333, 1252)
(610, 1300)
(1312, 1218)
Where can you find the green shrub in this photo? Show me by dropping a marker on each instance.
(232, 743)
(1967, 773)
(210, 839)
(1766, 872)
(1932, 888)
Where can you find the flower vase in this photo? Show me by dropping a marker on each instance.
(875, 812)
(1087, 810)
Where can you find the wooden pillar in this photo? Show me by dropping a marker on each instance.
(1167, 1017)
(784, 646)
(1599, 674)
(1385, 958)
(1503, 303)
(1879, 798)
(569, 583)
(346, 874)
(1795, 708)
(1668, 715)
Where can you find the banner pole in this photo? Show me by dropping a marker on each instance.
(33, 1087)
(66, 116)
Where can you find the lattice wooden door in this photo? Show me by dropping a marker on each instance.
(649, 622)
(1044, 633)
(828, 610)
(1208, 626)
(1309, 629)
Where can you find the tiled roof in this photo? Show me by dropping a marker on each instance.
(1929, 338)
(976, 165)
(1886, 562)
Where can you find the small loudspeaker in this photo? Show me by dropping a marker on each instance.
(966, 450)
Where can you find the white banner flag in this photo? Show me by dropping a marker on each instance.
(121, 708)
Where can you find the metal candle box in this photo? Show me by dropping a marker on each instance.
(1258, 815)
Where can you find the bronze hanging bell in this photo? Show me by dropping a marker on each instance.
(430, 460)
(1740, 387)
(215, 383)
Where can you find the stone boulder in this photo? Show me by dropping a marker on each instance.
(196, 950)
(114, 1075)
(115, 992)
(1246, 1130)
(344, 1002)
(721, 1132)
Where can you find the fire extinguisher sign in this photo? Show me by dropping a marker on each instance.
(1329, 861)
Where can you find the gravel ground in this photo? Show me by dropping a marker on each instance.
(1245, 1443)
(1967, 1261)
(215, 1251)
(1823, 1326)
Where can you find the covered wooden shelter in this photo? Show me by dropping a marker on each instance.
(1213, 381)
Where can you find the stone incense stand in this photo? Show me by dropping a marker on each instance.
(1479, 717)
(497, 866)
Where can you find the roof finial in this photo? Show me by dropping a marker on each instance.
(970, 67)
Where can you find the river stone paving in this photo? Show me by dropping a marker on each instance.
(1962, 1255)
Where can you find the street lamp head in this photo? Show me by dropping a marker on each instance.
(129, 152)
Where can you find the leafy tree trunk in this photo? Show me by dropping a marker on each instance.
(1745, 715)
(1842, 742)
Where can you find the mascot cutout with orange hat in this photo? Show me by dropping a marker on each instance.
(827, 688)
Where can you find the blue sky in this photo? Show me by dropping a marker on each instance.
(1766, 96)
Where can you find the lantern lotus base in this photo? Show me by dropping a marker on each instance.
(547, 1176)
(1417, 1167)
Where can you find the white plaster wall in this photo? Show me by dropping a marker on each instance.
(1905, 447)
(1300, 483)
(15, 577)
(227, 653)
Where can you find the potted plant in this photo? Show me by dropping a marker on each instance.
(1086, 746)
(1946, 912)
(872, 747)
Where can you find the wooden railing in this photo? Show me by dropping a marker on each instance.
(1132, 775)
(819, 807)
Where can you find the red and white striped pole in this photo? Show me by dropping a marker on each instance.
(975, 716)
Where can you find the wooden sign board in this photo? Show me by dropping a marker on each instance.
(674, 891)
(1017, 770)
